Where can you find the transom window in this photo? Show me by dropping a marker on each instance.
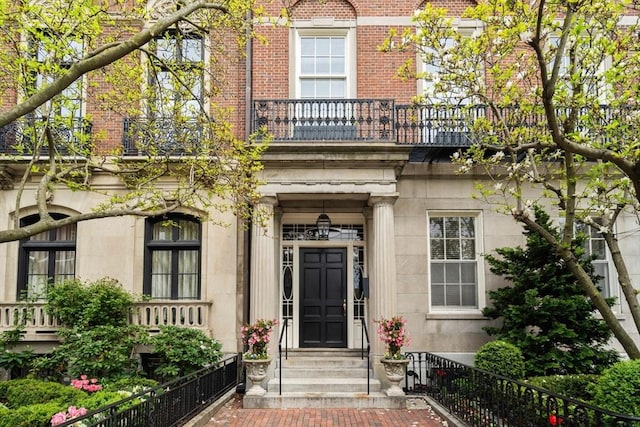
(46, 258)
(453, 261)
(172, 258)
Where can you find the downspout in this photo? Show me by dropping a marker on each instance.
(248, 99)
(246, 234)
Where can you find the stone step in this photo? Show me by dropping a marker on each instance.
(272, 400)
(323, 385)
(317, 362)
(325, 372)
(325, 352)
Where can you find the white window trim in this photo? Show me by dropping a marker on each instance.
(614, 289)
(326, 27)
(480, 291)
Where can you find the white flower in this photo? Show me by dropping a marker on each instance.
(498, 186)
(526, 36)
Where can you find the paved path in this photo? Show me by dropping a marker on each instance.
(232, 414)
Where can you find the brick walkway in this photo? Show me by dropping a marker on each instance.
(232, 414)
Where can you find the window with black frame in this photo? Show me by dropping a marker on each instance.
(45, 258)
(50, 56)
(176, 80)
(172, 257)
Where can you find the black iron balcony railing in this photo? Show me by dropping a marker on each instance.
(480, 398)
(325, 119)
(163, 136)
(26, 136)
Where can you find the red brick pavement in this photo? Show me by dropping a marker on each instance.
(232, 414)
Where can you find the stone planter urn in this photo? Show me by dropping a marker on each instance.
(256, 372)
(395, 370)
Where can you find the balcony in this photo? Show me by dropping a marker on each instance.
(71, 136)
(42, 326)
(160, 136)
(325, 119)
(431, 129)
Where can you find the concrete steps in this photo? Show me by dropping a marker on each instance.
(323, 379)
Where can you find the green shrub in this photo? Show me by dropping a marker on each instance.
(100, 352)
(100, 399)
(183, 350)
(619, 387)
(24, 392)
(502, 358)
(579, 386)
(81, 305)
(37, 415)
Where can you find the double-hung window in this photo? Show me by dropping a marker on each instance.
(453, 261)
(323, 66)
(46, 258)
(596, 247)
(172, 258)
(323, 78)
(591, 75)
(443, 121)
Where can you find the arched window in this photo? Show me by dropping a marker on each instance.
(172, 257)
(45, 258)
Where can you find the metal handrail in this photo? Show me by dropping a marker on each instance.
(286, 351)
(168, 404)
(365, 333)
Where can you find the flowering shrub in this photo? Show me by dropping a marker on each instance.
(71, 413)
(86, 384)
(257, 337)
(393, 333)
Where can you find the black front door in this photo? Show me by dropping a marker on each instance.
(323, 284)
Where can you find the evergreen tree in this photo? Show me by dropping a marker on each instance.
(545, 312)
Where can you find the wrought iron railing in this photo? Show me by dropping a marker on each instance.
(25, 137)
(325, 119)
(169, 404)
(163, 136)
(365, 336)
(283, 336)
(480, 398)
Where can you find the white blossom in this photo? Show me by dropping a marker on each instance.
(526, 36)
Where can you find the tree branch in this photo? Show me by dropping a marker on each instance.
(103, 58)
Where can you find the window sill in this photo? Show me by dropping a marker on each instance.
(452, 315)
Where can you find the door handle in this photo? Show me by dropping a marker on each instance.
(344, 307)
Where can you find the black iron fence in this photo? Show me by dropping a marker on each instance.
(26, 136)
(480, 398)
(169, 404)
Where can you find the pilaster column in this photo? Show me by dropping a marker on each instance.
(263, 287)
(383, 267)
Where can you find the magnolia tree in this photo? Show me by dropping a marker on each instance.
(162, 61)
(548, 93)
